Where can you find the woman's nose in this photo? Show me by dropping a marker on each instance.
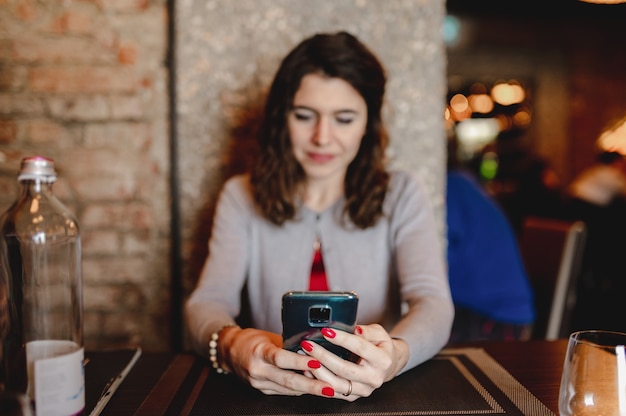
(322, 133)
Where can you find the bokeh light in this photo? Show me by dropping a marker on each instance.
(613, 139)
(479, 112)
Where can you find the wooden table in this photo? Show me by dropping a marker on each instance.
(537, 365)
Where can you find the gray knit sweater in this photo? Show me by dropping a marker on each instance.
(397, 267)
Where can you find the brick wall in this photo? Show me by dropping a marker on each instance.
(85, 82)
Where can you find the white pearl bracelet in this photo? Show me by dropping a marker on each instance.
(213, 357)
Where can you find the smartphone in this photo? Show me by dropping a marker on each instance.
(305, 313)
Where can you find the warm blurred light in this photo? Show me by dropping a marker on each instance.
(478, 88)
(477, 129)
(504, 122)
(480, 113)
(474, 133)
(448, 120)
(480, 103)
(614, 138)
(604, 1)
(456, 116)
(521, 119)
(508, 93)
(459, 103)
(459, 108)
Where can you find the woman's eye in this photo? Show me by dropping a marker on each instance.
(302, 116)
(345, 120)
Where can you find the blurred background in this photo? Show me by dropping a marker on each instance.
(530, 90)
(536, 106)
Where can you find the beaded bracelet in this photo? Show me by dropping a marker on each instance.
(215, 336)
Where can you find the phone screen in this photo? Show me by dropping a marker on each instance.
(305, 313)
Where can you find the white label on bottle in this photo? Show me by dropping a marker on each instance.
(56, 377)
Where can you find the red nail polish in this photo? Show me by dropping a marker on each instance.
(314, 364)
(327, 332)
(358, 330)
(306, 345)
(328, 391)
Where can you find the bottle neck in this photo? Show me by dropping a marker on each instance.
(35, 186)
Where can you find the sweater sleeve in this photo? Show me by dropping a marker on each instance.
(421, 269)
(215, 302)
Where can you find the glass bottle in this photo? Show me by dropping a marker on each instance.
(41, 276)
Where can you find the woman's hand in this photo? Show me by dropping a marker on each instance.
(258, 357)
(382, 358)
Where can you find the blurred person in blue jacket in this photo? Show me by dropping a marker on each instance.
(491, 291)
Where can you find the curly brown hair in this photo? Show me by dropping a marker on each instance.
(277, 175)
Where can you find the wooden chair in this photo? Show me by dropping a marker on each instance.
(552, 251)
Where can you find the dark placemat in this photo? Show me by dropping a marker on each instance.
(464, 381)
(104, 371)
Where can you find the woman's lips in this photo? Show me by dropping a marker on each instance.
(320, 158)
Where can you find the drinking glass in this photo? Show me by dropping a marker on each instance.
(594, 374)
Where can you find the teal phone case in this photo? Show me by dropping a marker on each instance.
(305, 313)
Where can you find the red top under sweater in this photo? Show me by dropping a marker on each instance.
(318, 274)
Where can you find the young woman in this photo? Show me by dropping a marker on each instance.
(321, 211)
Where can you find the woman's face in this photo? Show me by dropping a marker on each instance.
(326, 126)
